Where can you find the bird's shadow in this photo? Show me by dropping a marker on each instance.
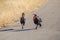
(16, 30)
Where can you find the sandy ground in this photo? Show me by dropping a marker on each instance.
(50, 30)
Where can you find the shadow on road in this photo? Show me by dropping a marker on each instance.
(16, 30)
(24, 30)
(6, 30)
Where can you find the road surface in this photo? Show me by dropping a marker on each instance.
(50, 30)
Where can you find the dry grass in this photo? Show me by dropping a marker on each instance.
(10, 10)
